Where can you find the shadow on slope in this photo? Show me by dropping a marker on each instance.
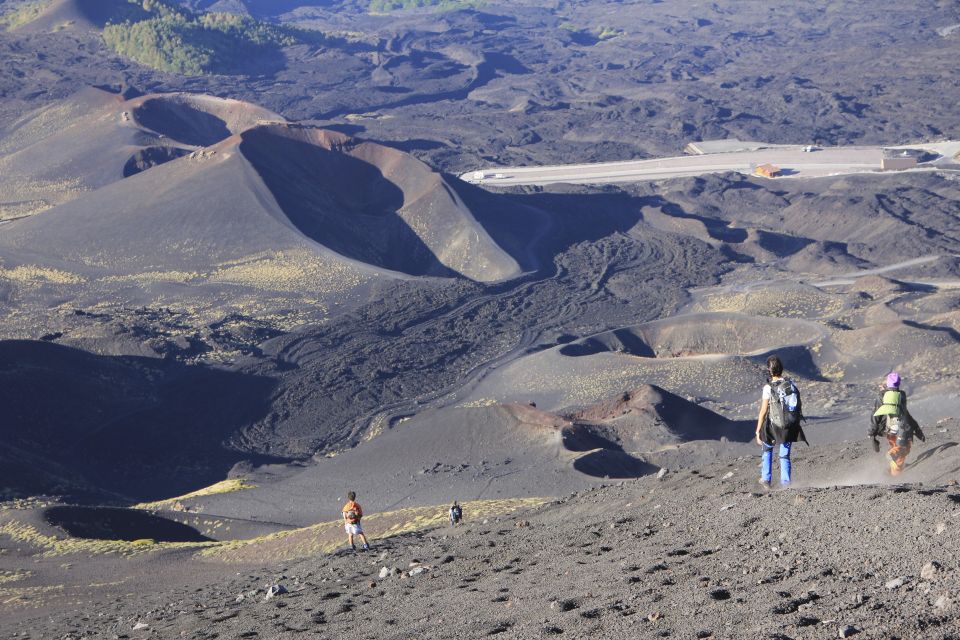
(106, 523)
(381, 206)
(647, 419)
(197, 120)
(122, 427)
(182, 122)
(84, 15)
(339, 201)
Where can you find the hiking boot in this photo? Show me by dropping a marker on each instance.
(765, 484)
(366, 547)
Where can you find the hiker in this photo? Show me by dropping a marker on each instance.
(352, 514)
(456, 514)
(890, 417)
(778, 424)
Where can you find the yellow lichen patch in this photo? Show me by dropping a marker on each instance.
(36, 274)
(832, 371)
(11, 597)
(479, 402)
(290, 271)
(326, 537)
(14, 210)
(13, 576)
(50, 546)
(156, 276)
(17, 188)
(224, 486)
(798, 303)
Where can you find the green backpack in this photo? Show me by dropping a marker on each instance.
(892, 407)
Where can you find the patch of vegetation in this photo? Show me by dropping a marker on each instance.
(224, 486)
(385, 6)
(606, 33)
(14, 576)
(175, 39)
(327, 537)
(23, 14)
(48, 546)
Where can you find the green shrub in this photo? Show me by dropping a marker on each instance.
(176, 40)
(606, 33)
(22, 14)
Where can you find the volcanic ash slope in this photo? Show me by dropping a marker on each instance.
(195, 190)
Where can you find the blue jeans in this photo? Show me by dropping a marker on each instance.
(766, 463)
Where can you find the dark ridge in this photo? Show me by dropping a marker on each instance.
(151, 157)
(340, 201)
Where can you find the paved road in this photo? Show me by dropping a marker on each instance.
(794, 161)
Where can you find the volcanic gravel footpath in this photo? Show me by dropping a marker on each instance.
(697, 554)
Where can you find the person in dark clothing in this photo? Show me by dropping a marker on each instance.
(456, 514)
(891, 418)
(781, 400)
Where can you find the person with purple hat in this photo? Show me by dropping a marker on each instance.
(890, 417)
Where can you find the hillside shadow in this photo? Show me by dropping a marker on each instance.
(341, 202)
(102, 12)
(586, 214)
(517, 228)
(182, 122)
(613, 464)
(105, 523)
(604, 457)
(121, 427)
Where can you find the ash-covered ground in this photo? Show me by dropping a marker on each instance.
(271, 288)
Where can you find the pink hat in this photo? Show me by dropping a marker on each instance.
(893, 380)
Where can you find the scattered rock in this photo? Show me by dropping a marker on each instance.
(719, 594)
(727, 475)
(226, 616)
(653, 617)
(239, 598)
(941, 527)
(929, 571)
(896, 583)
(140, 625)
(274, 591)
(564, 605)
(942, 603)
(385, 572)
(662, 473)
(417, 571)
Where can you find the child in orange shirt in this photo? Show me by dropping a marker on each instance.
(352, 514)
